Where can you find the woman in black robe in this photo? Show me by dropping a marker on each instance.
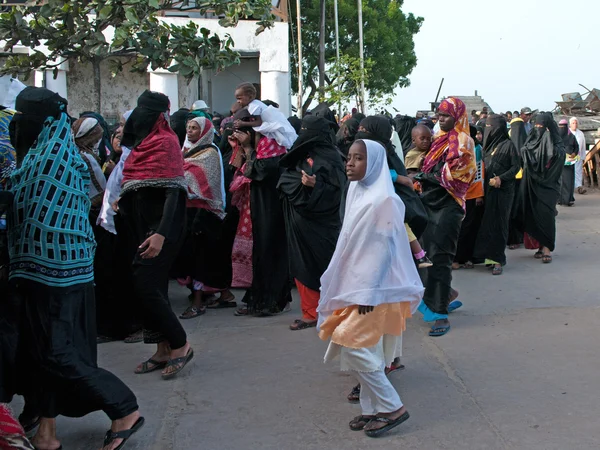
(311, 189)
(347, 134)
(543, 160)
(153, 204)
(518, 136)
(502, 162)
(258, 170)
(568, 172)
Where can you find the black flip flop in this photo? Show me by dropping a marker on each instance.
(125, 434)
(390, 423)
(175, 362)
(156, 365)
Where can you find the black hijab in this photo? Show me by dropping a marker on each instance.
(296, 123)
(178, 123)
(544, 145)
(378, 128)
(322, 110)
(495, 133)
(315, 138)
(404, 127)
(150, 106)
(35, 105)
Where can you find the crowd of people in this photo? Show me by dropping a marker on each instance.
(376, 213)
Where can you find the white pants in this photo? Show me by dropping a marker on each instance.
(377, 395)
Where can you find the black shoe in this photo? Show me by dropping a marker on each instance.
(424, 262)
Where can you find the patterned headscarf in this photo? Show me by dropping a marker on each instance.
(7, 152)
(50, 237)
(207, 134)
(88, 134)
(456, 149)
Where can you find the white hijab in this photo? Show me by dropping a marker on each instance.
(372, 263)
(106, 219)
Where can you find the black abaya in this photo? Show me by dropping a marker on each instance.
(501, 160)
(567, 189)
(518, 136)
(543, 160)
(440, 241)
(468, 231)
(57, 360)
(567, 186)
(270, 290)
(312, 214)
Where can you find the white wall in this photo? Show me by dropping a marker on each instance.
(219, 88)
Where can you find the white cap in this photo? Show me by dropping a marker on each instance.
(199, 104)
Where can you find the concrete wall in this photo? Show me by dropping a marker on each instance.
(219, 88)
(269, 68)
(118, 94)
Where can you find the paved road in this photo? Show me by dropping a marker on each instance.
(519, 370)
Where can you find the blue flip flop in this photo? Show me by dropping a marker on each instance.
(454, 306)
(439, 331)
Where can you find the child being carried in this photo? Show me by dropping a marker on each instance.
(266, 120)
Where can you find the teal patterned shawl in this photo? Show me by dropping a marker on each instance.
(50, 236)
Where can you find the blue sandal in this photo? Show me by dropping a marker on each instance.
(439, 330)
(453, 306)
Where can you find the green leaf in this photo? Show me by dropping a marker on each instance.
(105, 12)
(131, 16)
(154, 4)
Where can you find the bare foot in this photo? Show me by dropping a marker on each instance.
(45, 438)
(375, 425)
(126, 423)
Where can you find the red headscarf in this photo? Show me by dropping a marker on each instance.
(157, 160)
(456, 149)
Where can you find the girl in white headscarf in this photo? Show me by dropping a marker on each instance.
(574, 125)
(370, 287)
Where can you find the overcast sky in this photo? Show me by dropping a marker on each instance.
(514, 53)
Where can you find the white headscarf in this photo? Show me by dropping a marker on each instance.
(106, 219)
(372, 263)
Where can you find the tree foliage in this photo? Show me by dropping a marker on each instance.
(388, 48)
(82, 29)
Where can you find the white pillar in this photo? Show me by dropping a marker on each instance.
(166, 83)
(276, 86)
(58, 85)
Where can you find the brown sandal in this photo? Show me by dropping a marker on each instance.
(360, 422)
(300, 324)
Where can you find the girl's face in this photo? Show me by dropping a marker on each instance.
(243, 98)
(356, 167)
(193, 131)
(116, 141)
(479, 136)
